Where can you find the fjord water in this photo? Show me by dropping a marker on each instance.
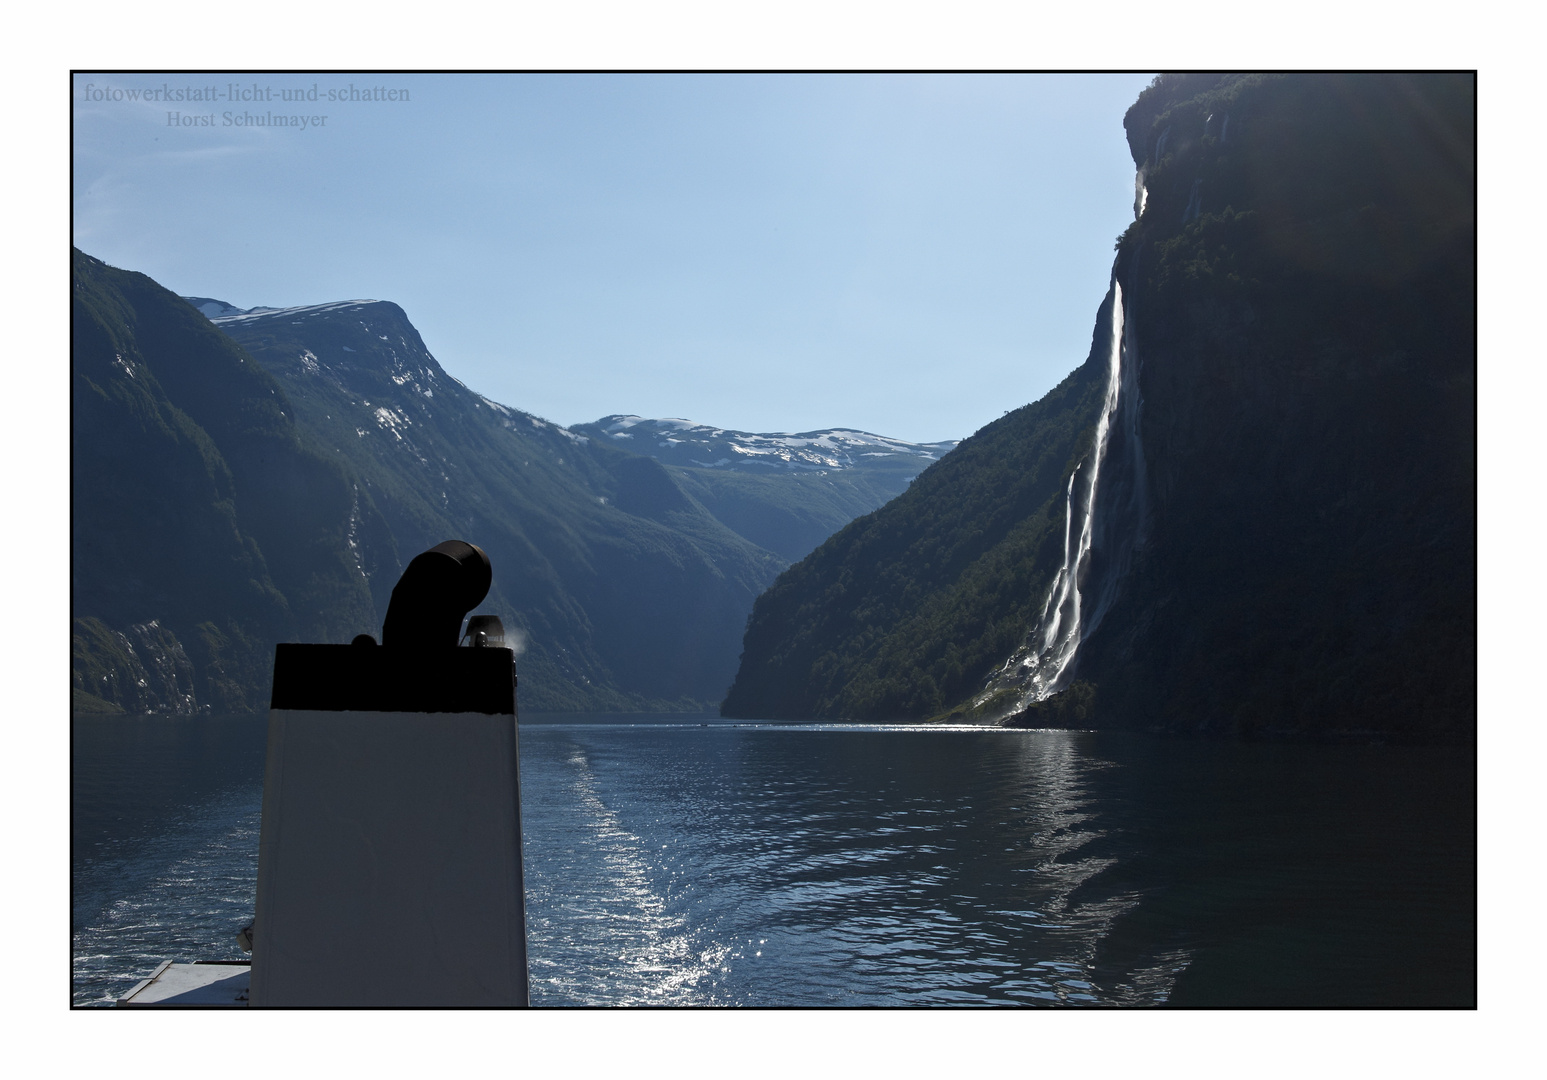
(689, 862)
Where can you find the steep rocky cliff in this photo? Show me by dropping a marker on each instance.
(1282, 537)
(1301, 310)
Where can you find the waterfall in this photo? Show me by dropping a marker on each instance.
(1121, 517)
(1039, 667)
(1194, 202)
(1110, 528)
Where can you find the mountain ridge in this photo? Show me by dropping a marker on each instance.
(683, 442)
(613, 570)
(443, 460)
(784, 492)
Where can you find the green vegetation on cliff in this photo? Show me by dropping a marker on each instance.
(907, 610)
(1302, 286)
(203, 522)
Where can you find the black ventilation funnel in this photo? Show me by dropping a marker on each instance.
(436, 590)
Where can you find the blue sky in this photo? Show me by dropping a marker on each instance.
(910, 254)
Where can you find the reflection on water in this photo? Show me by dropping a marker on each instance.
(784, 864)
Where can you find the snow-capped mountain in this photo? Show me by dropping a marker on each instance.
(594, 549)
(211, 308)
(682, 442)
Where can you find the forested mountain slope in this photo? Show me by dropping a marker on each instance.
(268, 483)
(908, 609)
(265, 478)
(626, 592)
(205, 524)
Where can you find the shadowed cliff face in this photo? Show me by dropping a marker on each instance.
(205, 526)
(1282, 540)
(1301, 306)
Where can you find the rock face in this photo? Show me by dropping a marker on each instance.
(143, 669)
(1302, 304)
(1283, 538)
(205, 526)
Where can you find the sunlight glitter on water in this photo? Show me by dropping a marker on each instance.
(820, 864)
(861, 883)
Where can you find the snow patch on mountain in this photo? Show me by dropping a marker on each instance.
(306, 311)
(213, 309)
(673, 438)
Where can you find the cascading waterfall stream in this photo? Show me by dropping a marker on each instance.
(1114, 525)
(1122, 519)
(1038, 667)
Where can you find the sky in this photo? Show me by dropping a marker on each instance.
(910, 255)
(46, 135)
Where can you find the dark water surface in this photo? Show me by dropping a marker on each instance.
(720, 863)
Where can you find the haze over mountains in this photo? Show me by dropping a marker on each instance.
(1250, 510)
(682, 442)
(265, 478)
(785, 492)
